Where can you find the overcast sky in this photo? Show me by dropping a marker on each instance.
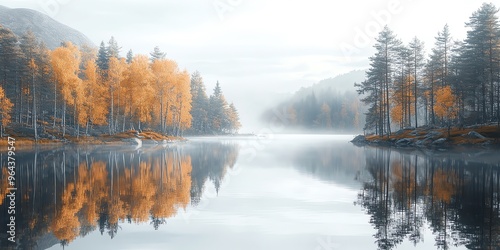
(276, 44)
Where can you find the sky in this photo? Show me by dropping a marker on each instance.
(257, 48)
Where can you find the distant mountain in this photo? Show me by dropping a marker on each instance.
(48, 30)
(341, 84)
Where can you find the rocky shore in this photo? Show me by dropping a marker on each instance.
(429, 137)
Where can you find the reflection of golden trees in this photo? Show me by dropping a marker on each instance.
(445, 185)
(154, 187)
(4, 184)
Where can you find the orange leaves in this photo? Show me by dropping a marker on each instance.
(94, 104)
(139, 88)
(5, 108)
(446, 103)
(152, 93)
(65, 63)
(445, 185)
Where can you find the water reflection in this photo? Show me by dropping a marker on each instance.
(456, 195)
(71, 192)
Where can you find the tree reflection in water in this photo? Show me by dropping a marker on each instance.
(71, 192)
(457, 197)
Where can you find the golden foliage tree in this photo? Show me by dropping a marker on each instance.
(116, 74)
(94, 101)
(65, 61)
(164, 72)
(446, 106)
(139, 89)
(5, 109)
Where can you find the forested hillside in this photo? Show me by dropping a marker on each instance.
(330, 105)
(456, 83)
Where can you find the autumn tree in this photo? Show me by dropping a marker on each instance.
(116, 74)
(139, 90)
(94, 104)
(445, 106)
(65, 61)
(164, 74)
(5, 109)
(181, 108)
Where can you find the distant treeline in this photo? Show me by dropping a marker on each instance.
(85, 87)
(457, 83)
(325, 110)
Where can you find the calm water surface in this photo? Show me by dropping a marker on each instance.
(280, 192)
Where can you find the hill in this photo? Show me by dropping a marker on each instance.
(340, 84)
(331, 105)
(48, 30)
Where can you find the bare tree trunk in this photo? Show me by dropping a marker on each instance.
(387, 91)
(111, 126)
(55, 103)
(63, 120)
(34, 105)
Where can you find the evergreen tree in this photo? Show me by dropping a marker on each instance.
(34, 63)
(417, 56)
(233, 118)
(217, 110)
(482, 52)
(379, 78)
(200, 105)
(102, 57)
(130, 56)
(9, 69)
(157, 54)
(113, 50)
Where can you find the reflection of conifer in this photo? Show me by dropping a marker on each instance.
(156, 222)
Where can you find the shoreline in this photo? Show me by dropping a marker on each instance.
(483, 136)
(131, 137)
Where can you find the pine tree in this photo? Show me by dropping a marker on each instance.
(442, 51)
(217, 107)
(483, 53)
(379, 79)
(417, 56)
(33, 62)
(102, 57)
(9, 69)
(130, 56)
(157, 54)
(113, 50)
(234, 118)
(199, 110)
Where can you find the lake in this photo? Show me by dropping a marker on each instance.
(315, 192)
